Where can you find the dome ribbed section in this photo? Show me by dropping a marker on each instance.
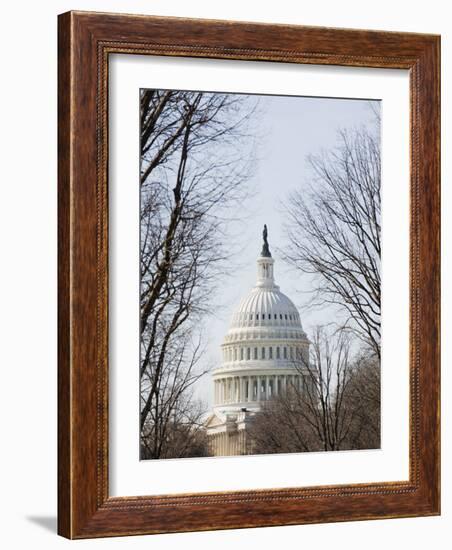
(266, 306)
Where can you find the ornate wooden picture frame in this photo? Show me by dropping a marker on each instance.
(86, 40)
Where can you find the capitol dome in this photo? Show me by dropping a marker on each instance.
(266, 306)
(264, 348)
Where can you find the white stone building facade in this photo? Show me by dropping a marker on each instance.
(262, 353)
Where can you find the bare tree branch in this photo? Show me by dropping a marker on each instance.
(334, 232)
(195, 158)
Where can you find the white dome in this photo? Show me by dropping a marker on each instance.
(264, 317)
(266, 307)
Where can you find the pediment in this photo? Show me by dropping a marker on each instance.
(214, 420)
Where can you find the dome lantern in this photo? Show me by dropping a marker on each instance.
(265, 263)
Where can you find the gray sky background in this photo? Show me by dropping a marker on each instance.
(289, 129)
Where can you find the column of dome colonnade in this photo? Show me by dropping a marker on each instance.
(247, 389)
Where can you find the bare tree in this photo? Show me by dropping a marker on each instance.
(195, 157)
(280, 426)
(179, 432)
(324, 388)
(334, 232)
(329, 410)
(363, 395)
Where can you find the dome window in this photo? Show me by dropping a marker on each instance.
(277, 353)
(248, 353)
(241, 354)
(285, 316)
(276, 316)
(270, 352)
(280, 315)
(263, 353)
(285, 352)
(255, 353)
(269, 316)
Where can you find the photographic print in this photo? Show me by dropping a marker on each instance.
(260, 274)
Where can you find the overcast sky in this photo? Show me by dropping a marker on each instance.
(289, 129)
